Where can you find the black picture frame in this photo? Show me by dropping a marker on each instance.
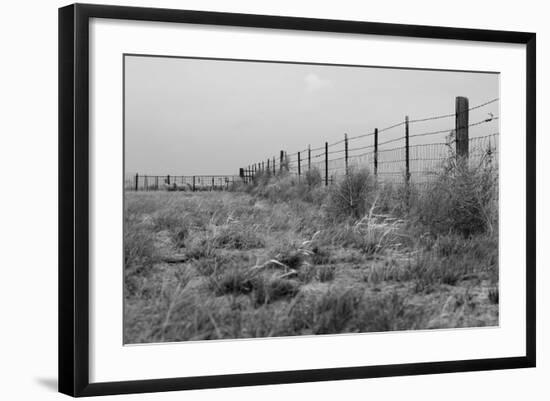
(74, 201)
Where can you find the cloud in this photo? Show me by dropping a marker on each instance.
(315, 83)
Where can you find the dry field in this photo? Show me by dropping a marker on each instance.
(285, 258)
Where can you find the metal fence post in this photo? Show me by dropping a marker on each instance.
(326, 163)
(376, 152)
(346, 151)
(407, 166)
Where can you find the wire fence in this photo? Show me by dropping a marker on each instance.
(412, 150)
(137, 182)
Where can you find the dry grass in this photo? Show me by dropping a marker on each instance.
(288, 257)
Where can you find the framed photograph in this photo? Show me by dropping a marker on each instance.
(251, 199)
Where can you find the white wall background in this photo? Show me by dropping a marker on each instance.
(28, 202)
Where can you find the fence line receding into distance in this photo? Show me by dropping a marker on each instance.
(405, 157)
(396, 158)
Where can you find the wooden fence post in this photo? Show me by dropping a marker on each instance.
(168, 179)
(281, 157)
(461, 127)
(145, 183)
(407, 166)
(309, 157)
(136, 182)
(268, 168)
(274, 168)
(376, 153)
(193, 183)
(346, 151)
(212, 188)
(299, 166)
(157, 182)
(326, 163)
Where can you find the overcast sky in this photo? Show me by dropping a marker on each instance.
(187, 116)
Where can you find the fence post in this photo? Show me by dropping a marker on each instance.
(136, 182)
(326, 164)
(193, 183)
(263, 167)
(299, 167)
(274, 168)
(281, 157)
(268, 168)
(346, 151)
(212, 184)
(407, 166)
(461, 127)
(376, 153)
(309, 157)
(145, 183)
(168, 179)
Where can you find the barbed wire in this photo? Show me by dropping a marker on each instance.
(382, 130)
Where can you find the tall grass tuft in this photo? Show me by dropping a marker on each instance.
(462, 199)
(352, 196)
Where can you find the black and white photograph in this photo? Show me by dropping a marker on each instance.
(269, 199)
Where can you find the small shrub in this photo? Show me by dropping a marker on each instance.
(462, 199)
(313, 177)
(352, 196)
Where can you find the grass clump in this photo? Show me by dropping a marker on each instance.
(352, 196)
(269, 289)
(334, 310)
(326, 273)
(235, 236)
(462, 199)
(232, 280)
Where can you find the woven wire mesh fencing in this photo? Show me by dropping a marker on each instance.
(412, 150)
(142, 182)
